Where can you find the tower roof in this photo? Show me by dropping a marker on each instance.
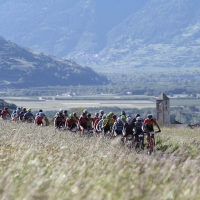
(162, 97)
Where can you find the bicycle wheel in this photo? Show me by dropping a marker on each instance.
(150, 149)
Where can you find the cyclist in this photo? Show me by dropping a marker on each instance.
(5, 112)
(138, 130)
(128, 129)
(108, 123)
(39, 118)
(28, 116)
(43, 115)
(15, 115)
(71, 122)
(101, 113)
(75, 115)
(149, 122)
(82, 122)
(89, 122)
(99, 124)
(58, 120)
(65, 114)
(95, 121)
(21, 114)
(118, 127)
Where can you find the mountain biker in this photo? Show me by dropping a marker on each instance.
(58, 120)
(5, 112)
(28, 116)
(138, 130)
(99, 125)
(123, 113)
(22, 113)
(39, 118)
(101, 113)
(108, 123)
(82, 122)
(95, 121)
(15, 115)
(89, 122)
(75, 115)
(149, 122)
(71, 122)
(65, 114)
(40, 111)
(118, 127)
(128, 129)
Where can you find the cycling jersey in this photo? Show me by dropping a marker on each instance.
(128, 129)
(28, 115)
(149, 124)
(118, 127)
(38, 119)
(4, 113)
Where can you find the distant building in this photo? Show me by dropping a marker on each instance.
(163, 110)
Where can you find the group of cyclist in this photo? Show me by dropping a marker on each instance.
(107, 124)
(25, 115)
(101, 123)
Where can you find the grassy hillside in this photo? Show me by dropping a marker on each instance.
(41, 163)
(23, 68)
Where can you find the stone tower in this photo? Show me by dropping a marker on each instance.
(163, 110)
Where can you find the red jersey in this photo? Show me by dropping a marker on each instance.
(5, 112)
(38, 119)
(70, 122)
(149, 122)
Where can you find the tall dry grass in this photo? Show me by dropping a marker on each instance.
(42, 163)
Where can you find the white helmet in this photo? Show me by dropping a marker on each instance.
(119, 119)
(139, 119)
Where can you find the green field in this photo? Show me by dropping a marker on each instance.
(42, 163)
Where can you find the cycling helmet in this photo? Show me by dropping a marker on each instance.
(149, 116)
(96, 114)
(101, 112)
(139, 119)
(65, 111)
(88, 115)
(29, 110)
(71, 115)
(40, 110)
(137, 115)
(18, 108)
(129, 120)
(5, 108)
(61, 110)
(104, 116)
(123, 113)
(85, 111)
(74, 114)
(119, 119)
(24, 109)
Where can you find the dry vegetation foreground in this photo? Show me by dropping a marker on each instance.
(42, 163)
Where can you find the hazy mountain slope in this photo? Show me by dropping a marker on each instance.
(162, 33)
(62, 27)
(122, 33)
(21, 67)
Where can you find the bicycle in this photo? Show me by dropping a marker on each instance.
(139, 145)
(151, 143)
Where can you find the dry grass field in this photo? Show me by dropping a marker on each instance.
(41, 163)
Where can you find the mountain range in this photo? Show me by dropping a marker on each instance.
(21, 68)
(162, 33)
